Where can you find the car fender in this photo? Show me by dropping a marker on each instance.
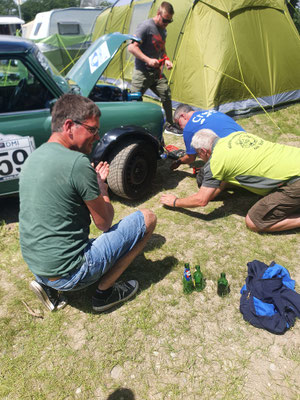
(124, 133)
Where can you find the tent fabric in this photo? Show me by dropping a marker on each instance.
(63, 50)
(230, 55)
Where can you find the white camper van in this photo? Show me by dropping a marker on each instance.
(67, 21)
(10, 25)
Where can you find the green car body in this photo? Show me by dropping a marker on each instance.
(131, 131)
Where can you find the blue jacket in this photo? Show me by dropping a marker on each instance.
(268, 299)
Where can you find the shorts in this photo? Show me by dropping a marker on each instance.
(102, 253)
(276, 206)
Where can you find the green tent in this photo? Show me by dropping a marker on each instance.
(231, 55)
(64, 50)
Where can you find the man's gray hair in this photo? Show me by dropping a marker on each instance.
(203, 139)
(182, 108)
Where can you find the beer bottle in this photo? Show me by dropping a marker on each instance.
(223, 287)
(199, 280)
(187, 282)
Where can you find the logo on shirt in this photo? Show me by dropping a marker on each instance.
(245, 141)
(158, 43)
(201, 117)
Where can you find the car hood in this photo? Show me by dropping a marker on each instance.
(94, 61)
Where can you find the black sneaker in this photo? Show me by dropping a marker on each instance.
(51, 298)
(122, 291)
(200, 176)
(173, 130)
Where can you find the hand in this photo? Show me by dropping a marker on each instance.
(168, 64)
(153, 63)
(175, 164)
(168, 199)
(102, 170)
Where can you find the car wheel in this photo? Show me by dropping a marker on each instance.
(132, 168)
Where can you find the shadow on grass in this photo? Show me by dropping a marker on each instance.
(9, 210)
(145, 271)
(121, 394)
(234, 202)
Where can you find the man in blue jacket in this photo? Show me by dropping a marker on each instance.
(191, 121)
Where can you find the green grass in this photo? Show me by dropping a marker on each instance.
(161, 344)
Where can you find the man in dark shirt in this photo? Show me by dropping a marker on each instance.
(148, 53)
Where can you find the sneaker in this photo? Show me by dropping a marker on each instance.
(173, 130)
(51, 298)
(200, 176)
(122, 291)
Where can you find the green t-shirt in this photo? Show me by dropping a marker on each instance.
(54, 220)
(247, 160)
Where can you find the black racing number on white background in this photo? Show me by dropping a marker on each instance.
(19, 156)
(10, 161)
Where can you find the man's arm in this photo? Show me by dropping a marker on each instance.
(100, 208)
(134, 49)
(199, 199)
(186, 159)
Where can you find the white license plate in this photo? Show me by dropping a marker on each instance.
(13, 153)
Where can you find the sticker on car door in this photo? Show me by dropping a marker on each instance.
(14, 150)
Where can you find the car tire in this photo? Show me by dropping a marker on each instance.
(132, 169)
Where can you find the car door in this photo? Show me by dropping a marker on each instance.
(25, 121)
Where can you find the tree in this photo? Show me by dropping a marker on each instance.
(293, 7)
(30, 8)
(8, 7)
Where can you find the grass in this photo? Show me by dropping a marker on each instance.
(162, 344)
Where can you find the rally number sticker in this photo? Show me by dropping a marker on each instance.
(13, 153)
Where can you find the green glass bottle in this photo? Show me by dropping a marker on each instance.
(187, 281)
(223, 287)
(199, 280)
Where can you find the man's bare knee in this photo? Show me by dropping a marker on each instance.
(251, 225)
(150, 219)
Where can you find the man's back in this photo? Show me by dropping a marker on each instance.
(54, 221)
(220, 123)
(254, 163)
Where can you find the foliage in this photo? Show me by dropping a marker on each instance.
(95, 3)
(8, 7)
(293, 7)
(30, 8)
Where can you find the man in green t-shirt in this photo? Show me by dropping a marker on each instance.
(59, 192)
(242, 159)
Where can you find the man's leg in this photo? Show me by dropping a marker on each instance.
(140, 81)
(278, 211)
(162, 90)
(291, 222)
(110, 277)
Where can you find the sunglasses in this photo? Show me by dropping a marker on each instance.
(92, 129)
(166, 21)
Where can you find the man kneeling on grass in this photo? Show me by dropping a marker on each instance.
(269, 169)
(59, 191)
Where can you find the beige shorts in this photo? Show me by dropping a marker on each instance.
(276, 206)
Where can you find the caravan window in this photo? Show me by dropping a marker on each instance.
(68, 28)
(37, 28)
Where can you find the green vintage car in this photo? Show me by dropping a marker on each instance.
(131, 131)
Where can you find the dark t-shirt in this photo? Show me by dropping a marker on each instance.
(153, 42)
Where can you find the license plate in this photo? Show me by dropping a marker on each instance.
(13, 153)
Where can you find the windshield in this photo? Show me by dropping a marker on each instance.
(52, 71)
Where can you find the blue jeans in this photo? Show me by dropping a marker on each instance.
(102, 253)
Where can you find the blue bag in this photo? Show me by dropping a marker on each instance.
(268, 299)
